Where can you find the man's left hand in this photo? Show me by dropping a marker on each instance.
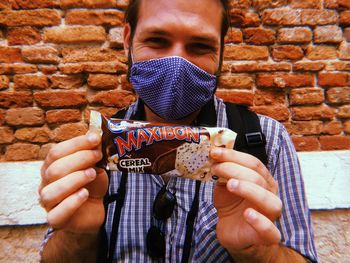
(247, 204)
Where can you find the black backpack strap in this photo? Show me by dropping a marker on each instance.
(189, 225)
(246, 124)
(120, 114)
(119, 198)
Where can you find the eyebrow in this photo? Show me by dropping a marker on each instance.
(206, 37)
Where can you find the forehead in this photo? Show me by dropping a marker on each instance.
(198, 15)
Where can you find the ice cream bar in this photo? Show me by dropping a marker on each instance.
(158, 148)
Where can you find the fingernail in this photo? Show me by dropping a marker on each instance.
(215, 152)
(83, 193)
(251, 215)
(233, 184)
(90, 173)
(97, 154)
(92, 137)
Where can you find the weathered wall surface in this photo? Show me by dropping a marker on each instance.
(289, 59)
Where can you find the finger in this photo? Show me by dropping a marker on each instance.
(56, 192)
(84, 142)
(69, 164)
(220, 155)
(98, 187)
(268, 233)
(268, 203)
(59, 215)
(229, 170)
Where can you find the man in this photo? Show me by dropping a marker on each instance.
(260, 215)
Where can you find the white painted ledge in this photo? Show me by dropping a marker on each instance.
(326, 176)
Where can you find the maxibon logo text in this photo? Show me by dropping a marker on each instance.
(134, 140)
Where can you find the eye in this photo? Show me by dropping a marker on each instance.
(202, 48)
(157, 42)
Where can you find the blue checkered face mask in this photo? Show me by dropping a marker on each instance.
(172, 87)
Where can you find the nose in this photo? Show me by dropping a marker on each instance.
(179, 49)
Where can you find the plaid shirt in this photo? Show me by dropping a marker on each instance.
(136, 215)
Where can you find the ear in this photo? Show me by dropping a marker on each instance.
(127, 39)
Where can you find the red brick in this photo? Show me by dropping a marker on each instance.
(25, 116)
(344, 51)
(347, 127)
(244, 18)
(93, 67)
(40, 17)
(306, 144)
(4, 82)
(340, 66)
(113, 98)
(125, 84)
(23, 36)
(284, 80)
(44, 150)
(30, 82)
(263, 4)
(332, 128)
(306, 96)
(25, 4)
(48, 69)
(307, 127)
(60, 99)
(41, 55)
(103, 81)
(259, 36)
(287, 53)
(10, 54)
(284, 17)
(347, 34)
(90, 54)
(313, 17)
(16, 99)
(75, 34)
(116, 38)
(278, 112)
(321, 52)
(234, 35)
(333, 79)
(95, 17)
(306, 3)
(236, 82)
(5, 4)
(328, 34)
(335, 142)
(6, 135)
(268, 97)
(338, 95)
(312, 113)
(2, 116)
(274, 67)
(344, 4)
(88, 4)
(294, 35)
(308, 66)
(240, 4)
(344, 112)
(63, 116)
(106, 111)
(330, 4)
(237, 97)
(344, 18)
(40, 135)
(246, 53)
(22, 152)
(66, 82)
(17, 68)
(69, 131)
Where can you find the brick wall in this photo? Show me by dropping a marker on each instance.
(289, 59)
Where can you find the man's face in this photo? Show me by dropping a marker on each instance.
(187, 28)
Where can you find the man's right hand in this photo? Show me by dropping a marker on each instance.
(71, 189)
